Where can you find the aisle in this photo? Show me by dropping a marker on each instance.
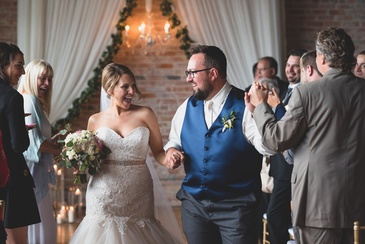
(65, 230)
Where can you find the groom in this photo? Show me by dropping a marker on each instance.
(221, 189)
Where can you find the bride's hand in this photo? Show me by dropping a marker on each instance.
(174, 159)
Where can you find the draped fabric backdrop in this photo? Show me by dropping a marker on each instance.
(244, 29)
(70, 35)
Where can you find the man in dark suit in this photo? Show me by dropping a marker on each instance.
(278, 210)
(324, 125)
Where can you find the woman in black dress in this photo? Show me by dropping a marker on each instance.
(20, 205)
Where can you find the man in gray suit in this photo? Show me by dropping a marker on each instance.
(325, 124)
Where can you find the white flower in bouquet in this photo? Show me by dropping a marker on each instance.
(81, 150)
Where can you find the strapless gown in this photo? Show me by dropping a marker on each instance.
(119, 198)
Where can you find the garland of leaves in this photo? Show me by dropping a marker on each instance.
(112, 50)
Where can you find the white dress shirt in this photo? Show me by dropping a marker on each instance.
(249, 128)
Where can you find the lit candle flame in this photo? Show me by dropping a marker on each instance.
(77, 192)
(142, 27)
(167, 28)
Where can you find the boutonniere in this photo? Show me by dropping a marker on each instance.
(228, 123)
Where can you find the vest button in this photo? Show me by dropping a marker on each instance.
(207, 136)
(204, 173)
(206, 148)
(205, 161)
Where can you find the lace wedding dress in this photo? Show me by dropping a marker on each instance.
(119, 198)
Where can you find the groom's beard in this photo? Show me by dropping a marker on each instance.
(202, 94)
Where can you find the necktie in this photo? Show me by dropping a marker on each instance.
(210, 109)
(287, 96)
(209, 114)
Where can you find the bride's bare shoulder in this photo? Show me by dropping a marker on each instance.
(96, 119)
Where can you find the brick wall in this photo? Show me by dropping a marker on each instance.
(8, 20)
(306, 18)
(160, 76)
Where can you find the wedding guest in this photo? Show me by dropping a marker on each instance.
(21, 207)
(325, 126)
(267, 67)
(308, 73)
(278, 210)
(308, 67)
(221, 190)
(36, 88)
(360, 65)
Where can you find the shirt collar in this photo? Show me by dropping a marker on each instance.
(292, 86)
(221, 96)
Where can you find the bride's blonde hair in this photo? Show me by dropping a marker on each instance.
(111, 76)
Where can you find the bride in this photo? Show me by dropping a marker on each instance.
(119, 198)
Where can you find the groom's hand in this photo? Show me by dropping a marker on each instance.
(174, 158)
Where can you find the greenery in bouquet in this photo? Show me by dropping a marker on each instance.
(82, 151)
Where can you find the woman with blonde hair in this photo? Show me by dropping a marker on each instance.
(36, 88)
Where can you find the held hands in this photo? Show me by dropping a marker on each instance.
(257, 94)
(173, 159)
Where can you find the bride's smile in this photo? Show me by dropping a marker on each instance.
(124, 91)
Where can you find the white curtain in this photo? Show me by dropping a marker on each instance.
(245, 30)
(71, 35)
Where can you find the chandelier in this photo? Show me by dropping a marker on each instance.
(148, 38)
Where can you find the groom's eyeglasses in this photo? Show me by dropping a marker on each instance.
(192, 73)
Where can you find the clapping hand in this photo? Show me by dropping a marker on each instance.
(273, 99)
(257, 94)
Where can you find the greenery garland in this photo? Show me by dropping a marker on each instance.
(112, 50)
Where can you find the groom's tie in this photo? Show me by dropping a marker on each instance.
(210, 111)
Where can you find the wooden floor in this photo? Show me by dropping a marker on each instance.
(66, 230)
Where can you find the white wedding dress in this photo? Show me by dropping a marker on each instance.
(119, 198)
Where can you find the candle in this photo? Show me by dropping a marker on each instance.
(79, 202)
(148, 6)
(63, 213)
(142, 28)
(71, 197)
(59, 219)
(71, 215)
(127, 30)
(62, 186)
(167, 28)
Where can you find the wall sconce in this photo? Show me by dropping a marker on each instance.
(148, 38)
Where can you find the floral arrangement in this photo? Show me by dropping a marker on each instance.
(228, 123)
(81, 150)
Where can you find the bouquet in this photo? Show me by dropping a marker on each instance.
(81, 150)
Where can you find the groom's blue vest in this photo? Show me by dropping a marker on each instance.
(218, 164)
